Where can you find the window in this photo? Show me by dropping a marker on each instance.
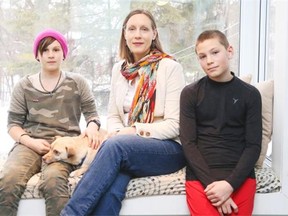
(270, 55)
(257, 29)
(93, 31)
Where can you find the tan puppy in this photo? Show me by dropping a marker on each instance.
(71, 150)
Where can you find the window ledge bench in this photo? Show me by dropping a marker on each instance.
(155, 195)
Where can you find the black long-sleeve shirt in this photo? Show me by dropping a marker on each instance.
(220, 130)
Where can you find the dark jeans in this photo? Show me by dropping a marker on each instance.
(120, 158)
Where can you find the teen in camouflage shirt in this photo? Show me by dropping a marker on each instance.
(45, 105)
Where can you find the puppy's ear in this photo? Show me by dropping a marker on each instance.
(70, 152)
(56, 137)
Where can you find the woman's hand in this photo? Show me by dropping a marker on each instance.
(111, 134)
(125, 130)
(218, 192)
(228, 207)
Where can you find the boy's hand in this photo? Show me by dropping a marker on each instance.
(40, 146)
(218, 192)
(95, 136)
(228, 207)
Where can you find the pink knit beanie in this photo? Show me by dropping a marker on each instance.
(52, 33)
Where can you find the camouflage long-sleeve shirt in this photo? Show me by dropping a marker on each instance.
(45, 115)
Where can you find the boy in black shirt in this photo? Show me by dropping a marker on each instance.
(221, 133)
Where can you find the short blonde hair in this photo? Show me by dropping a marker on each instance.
(210, 34)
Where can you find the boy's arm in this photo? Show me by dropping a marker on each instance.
(253, 137)
(188, 137)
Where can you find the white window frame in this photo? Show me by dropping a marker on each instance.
(253, 41)
(280, 124)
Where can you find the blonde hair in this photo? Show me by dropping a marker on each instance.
(210, 34)
(124, 51)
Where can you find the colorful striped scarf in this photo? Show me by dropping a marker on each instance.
(143, 104)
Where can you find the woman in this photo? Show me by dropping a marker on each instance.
(45, 105)
(143, 121)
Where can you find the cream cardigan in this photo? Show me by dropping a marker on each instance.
(170, 82)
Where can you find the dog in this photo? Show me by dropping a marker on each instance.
(72, 150)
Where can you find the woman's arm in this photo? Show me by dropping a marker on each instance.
(118, 86)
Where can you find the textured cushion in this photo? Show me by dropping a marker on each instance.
(266, 89)
(172, 184)
(267, 181)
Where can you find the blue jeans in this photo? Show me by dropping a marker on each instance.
(120, 158)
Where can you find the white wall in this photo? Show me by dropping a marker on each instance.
(252, 61)
(280, 133)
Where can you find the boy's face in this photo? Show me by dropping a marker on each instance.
(214, 59)
(52, 57)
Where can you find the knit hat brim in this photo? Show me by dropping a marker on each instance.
(50, 33)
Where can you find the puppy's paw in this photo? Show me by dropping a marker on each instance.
(77, 173)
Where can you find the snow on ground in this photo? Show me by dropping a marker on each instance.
(6, 140)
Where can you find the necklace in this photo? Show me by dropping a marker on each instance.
(50, 92)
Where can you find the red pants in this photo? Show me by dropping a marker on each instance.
(198, 203)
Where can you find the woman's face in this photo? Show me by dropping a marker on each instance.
(139, 35)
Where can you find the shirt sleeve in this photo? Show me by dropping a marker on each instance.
(115, 117)
(253, 137)
(17, 111)
(188, 136)
(88, 105)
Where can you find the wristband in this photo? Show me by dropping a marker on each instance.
(24, 134)
(97, 122)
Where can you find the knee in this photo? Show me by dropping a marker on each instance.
(11, 188)
(53, 180)
(57, 171)
(11, 183)
(56, 177)
(115, 143)
(111, 149)
(52, 187)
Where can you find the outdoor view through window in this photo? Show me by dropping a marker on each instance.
(93, 31)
